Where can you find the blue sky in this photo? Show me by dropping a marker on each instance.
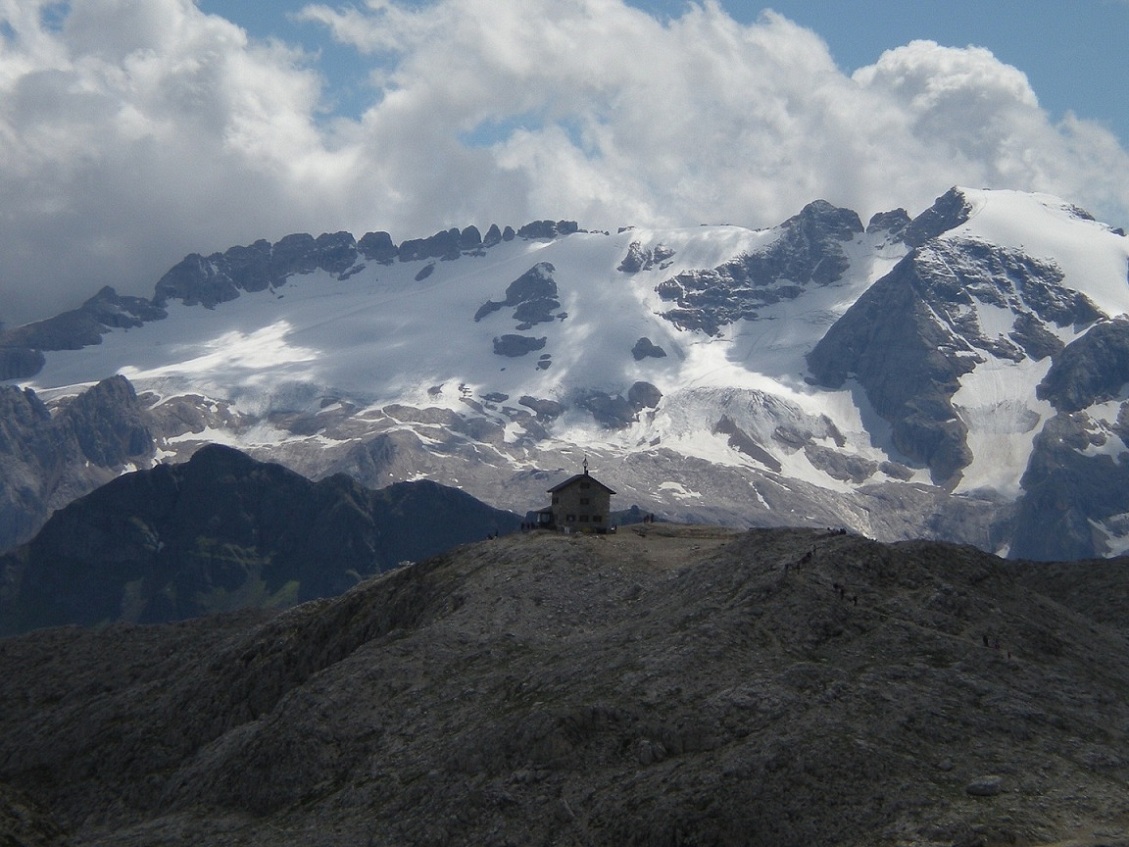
(1074, 52)
(133, 133)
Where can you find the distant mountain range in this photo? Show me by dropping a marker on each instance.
(223, 532)
(958, 374)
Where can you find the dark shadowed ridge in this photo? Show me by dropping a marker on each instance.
(663, 685)
(221, 532)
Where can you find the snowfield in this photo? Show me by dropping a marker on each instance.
(311, 371)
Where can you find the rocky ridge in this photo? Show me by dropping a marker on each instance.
(808, 251)
(223, 532)
(662, 685)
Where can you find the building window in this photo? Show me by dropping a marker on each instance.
(570, 518)
(597, 518)
(584, 519)
(583, 501)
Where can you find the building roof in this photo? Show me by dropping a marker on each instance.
(574, 479)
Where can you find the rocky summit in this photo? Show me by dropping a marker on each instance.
(663, 685)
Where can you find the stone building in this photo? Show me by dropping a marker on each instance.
(579, 504)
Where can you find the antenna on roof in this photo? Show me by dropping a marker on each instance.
(586, 466)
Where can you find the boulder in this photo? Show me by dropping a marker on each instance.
(985, 786)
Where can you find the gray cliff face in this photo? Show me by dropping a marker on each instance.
(20, 362)
(928, 310)
(892, 223)
(1093, 369)
(808, 252)
(1074, 488)
(46, 460)
(913, 389)
(1069, 494)
(664, 685)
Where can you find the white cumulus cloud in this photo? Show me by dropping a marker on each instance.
(133, 133)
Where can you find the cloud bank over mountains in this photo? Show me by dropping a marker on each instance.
(134, 133)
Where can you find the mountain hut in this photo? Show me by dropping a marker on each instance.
(579, 504)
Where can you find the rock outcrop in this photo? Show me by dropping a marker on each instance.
(532, 296)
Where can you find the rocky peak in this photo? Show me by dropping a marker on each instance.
(893, 223)
(1069, 493)
(948, 211)
(944, 308)
(335, 252)
(196, 280)
(819, 221)
(108, 424)
(249, 267)
(470, 238)
(493, 236)
(808, 251)
(377, 246)
(73, 330)
(296, 253)
(913, 389)
(442, 245)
